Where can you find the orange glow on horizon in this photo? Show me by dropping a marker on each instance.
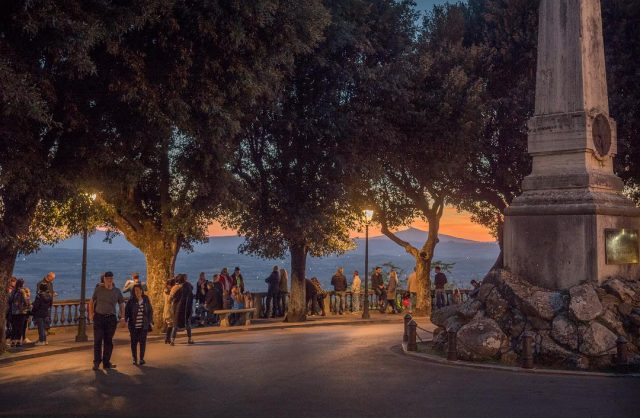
(454, 223)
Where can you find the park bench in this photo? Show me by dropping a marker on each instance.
(224, 315)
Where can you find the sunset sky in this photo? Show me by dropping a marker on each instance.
(453, 223)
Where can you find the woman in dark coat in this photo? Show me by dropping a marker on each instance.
(139, 316)
(182, 302)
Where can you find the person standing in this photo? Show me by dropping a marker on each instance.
(377, 284)
(40, 311)
(213, 299)
(135, 279)
(19, 306)
(283, 291)
(440, 280)
(412, 288)
(238, 280)
(227, 284)
(102, 312)
(139, 316)
(201, 292)
(182, 302)
(339, 283)
(355, 291)
(48, 280)
(273, 282)
(392, 287)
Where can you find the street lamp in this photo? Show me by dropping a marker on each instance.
(82, 320)
(368, 215)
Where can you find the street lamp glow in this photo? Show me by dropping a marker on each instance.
(368, 215)
(93, 196)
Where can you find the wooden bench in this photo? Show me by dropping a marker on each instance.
(224, 316)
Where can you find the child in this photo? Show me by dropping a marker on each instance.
(40, 312)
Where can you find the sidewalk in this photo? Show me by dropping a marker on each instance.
(64, 339)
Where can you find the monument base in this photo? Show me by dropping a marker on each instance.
(560, 238)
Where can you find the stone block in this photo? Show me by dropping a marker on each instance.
(542, 304)
(620, 289)
(597, 340)
(584, 304)
(481, 340)
(439, 316)
(565, 332)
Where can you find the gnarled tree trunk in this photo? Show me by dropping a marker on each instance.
(297, 310)
(160, 256)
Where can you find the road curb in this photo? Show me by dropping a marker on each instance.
(7, 360)
(481, 366)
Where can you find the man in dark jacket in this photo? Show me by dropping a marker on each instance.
(48, 281)
(439, 281)
(272, 293)
(238, 280)
(40, 311)
(339, 283)
(315, 295)
(377, 284)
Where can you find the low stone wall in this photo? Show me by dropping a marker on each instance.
(577, 328)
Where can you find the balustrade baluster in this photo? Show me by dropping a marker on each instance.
(76, 309)
(54, 321)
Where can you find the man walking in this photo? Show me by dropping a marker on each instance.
(339, 283)
(440, 280)
(102, 311)
(48, 281)
(272, 292)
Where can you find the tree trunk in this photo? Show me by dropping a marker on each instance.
(161, 258)
(423, 300)
(297, 310)
(7, 261)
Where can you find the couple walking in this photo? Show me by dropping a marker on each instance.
(138, 313)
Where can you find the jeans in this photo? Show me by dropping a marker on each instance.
(272, 304)
(339, 308)
(104, 328)
(41, 323)
(440, 298)
(282, 302)
(138, 337)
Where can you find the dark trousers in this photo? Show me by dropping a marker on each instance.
(174, 330)
(42, 328)
(17, 326)
(138, 337)
(167, 337)
(272, 304)
(104, 328)
(392, 303)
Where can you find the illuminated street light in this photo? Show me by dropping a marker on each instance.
(368, 216)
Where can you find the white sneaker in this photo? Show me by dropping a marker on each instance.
(27, 341)
(41, 343)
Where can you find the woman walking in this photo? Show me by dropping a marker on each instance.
(391, 292)
(19, 305)
(139, 315)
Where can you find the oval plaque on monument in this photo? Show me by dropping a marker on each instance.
(601, 132)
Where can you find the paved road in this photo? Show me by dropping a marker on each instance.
(325, 371)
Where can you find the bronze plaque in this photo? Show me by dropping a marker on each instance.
(621, 246)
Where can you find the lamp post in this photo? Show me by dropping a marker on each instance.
(368, 215)
(82, 319)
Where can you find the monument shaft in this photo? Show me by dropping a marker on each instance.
(562, 230)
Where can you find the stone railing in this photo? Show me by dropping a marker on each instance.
(67, 312)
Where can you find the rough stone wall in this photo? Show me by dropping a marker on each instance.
(575, 328)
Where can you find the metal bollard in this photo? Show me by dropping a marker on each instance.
(452, 352)
(622, 358)
(405, 337)
(412, 344)
(527, 351)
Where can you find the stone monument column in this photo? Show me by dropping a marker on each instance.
(571, 224)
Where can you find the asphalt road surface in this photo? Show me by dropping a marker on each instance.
(324, 372)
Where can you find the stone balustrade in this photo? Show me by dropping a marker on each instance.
(67, 312)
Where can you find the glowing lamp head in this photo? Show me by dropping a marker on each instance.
(368, 215)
